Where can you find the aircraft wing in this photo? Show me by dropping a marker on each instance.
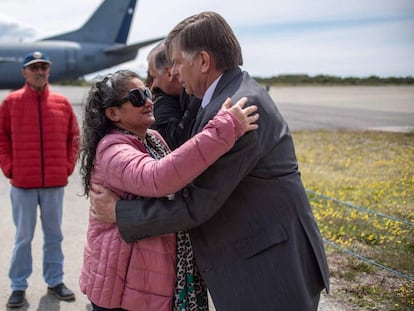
(119, 49)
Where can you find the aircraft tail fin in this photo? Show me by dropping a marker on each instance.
(110, 24)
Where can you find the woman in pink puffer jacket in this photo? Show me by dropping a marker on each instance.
(120, 152)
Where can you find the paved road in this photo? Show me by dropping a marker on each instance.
(387, 108)
(307, 108)
(304, 108)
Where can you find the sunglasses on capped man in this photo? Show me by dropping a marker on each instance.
(137, 97)
(37, 66)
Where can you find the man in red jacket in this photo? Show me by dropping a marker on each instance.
(39, 141)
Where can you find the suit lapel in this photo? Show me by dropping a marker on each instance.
(198, 120)
(205, 114)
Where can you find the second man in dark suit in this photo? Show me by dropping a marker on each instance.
(174, 109)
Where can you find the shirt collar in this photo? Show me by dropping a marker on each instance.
(209, 93)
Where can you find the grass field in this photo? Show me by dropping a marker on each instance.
(373, 170)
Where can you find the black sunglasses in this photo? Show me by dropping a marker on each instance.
(137, 97)
(34, 67)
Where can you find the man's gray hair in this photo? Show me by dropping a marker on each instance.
(161, 61)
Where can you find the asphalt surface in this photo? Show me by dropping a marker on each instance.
(388, 108)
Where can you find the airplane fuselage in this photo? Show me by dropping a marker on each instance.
(70, 60)
(99, 44)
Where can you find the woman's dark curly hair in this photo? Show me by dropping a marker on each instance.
(105, 92)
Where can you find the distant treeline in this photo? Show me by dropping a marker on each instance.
(303, 79)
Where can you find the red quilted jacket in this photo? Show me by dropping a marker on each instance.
(39, 138)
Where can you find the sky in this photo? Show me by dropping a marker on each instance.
(353, 38)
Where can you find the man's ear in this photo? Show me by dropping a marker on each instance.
(205, 61)
(112, 114)
(23, 73)
(168, 72)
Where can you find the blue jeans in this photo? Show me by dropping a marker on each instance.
(24, 209)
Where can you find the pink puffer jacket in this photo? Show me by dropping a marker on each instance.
(141, 276)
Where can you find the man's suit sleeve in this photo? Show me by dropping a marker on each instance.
(195, 204)
(167, 113)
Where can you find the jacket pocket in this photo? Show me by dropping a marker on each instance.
(261, 241)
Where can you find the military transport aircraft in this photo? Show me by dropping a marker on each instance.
(99, 44)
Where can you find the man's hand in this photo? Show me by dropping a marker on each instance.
(103, 202)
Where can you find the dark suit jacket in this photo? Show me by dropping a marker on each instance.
(174, 116)
(254, 236)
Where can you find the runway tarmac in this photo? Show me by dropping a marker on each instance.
(389, 108)
(336, 107)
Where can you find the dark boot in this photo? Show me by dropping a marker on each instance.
(61, 292)
(16, 299)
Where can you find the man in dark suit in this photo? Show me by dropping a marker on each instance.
(254, 236)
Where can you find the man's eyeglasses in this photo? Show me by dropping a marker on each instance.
(34, 67)
(137, 97)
